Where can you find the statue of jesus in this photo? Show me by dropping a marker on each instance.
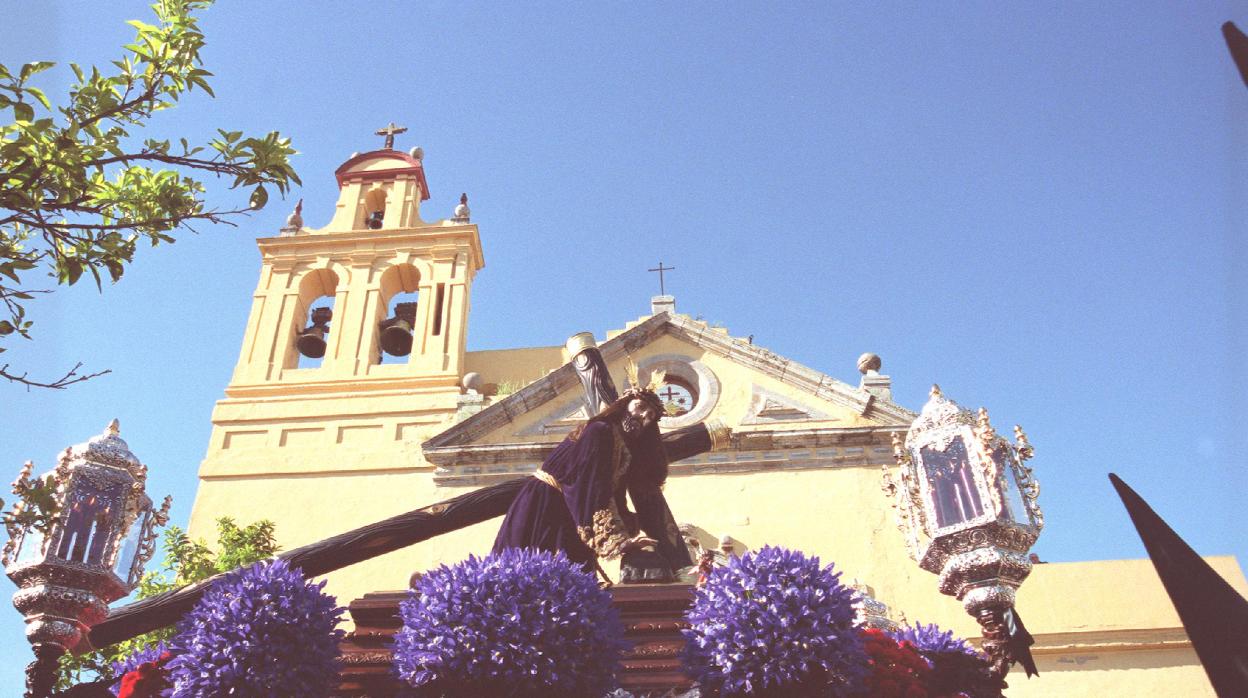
(576, 500)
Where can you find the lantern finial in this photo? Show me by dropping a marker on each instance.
(114, 428)
(935, 391)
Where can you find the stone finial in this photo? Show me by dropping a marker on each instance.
(294, 222)
(880, 386)
(869, 363)
(295, 219)
(935, 391)
(462, 212)
(417, 153)
(113, 428)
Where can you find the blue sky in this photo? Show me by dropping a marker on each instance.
(1041, 208)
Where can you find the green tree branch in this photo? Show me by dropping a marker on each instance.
(78, 192)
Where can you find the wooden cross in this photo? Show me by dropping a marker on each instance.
(389, 132)
(661, 269)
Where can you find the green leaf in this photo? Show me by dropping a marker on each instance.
(259, 197)
(37, 67)
(6, 327)
(39, 95)
(23, 111)
(73, 270)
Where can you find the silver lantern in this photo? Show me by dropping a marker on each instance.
(966, 504)
(90, 553)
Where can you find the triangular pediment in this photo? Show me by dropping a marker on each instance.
(764, 389)
(770, 407)
(560, 420)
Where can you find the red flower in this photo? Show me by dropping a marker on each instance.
(897, 670)
(147, 680)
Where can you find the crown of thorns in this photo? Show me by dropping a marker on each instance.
(648, 392)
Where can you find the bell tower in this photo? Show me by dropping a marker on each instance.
(353, 351)
(375, 247)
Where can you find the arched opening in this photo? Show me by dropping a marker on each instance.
(689, 389)
(396, 323)
(375, 207)
(311, 338)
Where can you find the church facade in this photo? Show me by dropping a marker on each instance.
(395, 413)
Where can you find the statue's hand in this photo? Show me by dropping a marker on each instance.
(640, 542)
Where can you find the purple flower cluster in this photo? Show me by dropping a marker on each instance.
(133, 660)
(775, 623)
(930, 639)
(260, 631)
(519, 623)
(958, 669)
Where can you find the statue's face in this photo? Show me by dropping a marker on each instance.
(640, 415)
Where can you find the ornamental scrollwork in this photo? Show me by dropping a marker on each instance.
(903, 491)
(988, 443)
(1027, 485)
(147, 546)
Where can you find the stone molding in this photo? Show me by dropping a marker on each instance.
(755, 451)
(628, 342)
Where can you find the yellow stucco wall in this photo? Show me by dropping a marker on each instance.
(324, 451)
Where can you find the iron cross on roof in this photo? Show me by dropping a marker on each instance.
(661, 269)
(389, 132)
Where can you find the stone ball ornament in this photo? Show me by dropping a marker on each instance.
(472, 381)
(869, 362)
(96, 532)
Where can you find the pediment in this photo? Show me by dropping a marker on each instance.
(781, 391)
(559, 421)
(770, 407)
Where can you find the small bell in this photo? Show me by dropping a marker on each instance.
(311, 341)
(396, 332)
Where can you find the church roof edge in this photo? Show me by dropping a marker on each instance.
(698, 333)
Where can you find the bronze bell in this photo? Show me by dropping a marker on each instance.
(311, 341)
(396, 332)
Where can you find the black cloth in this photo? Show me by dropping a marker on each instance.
(1213, 613)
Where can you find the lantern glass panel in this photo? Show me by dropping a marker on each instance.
(128, 549)
(88, 522)
(951, 484)
(1016, 510)
(31, 546)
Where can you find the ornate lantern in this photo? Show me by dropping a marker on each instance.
(90, 553)
(966, 503)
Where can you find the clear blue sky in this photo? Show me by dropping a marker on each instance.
(1042, 209)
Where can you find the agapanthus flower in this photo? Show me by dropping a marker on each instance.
(958, 669)
(518, 623)
(930, 638)
(775, 623)
(260, 631)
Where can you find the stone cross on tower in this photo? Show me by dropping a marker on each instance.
(661, 269)
(389, 132)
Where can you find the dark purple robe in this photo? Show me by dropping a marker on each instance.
(585, 515)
